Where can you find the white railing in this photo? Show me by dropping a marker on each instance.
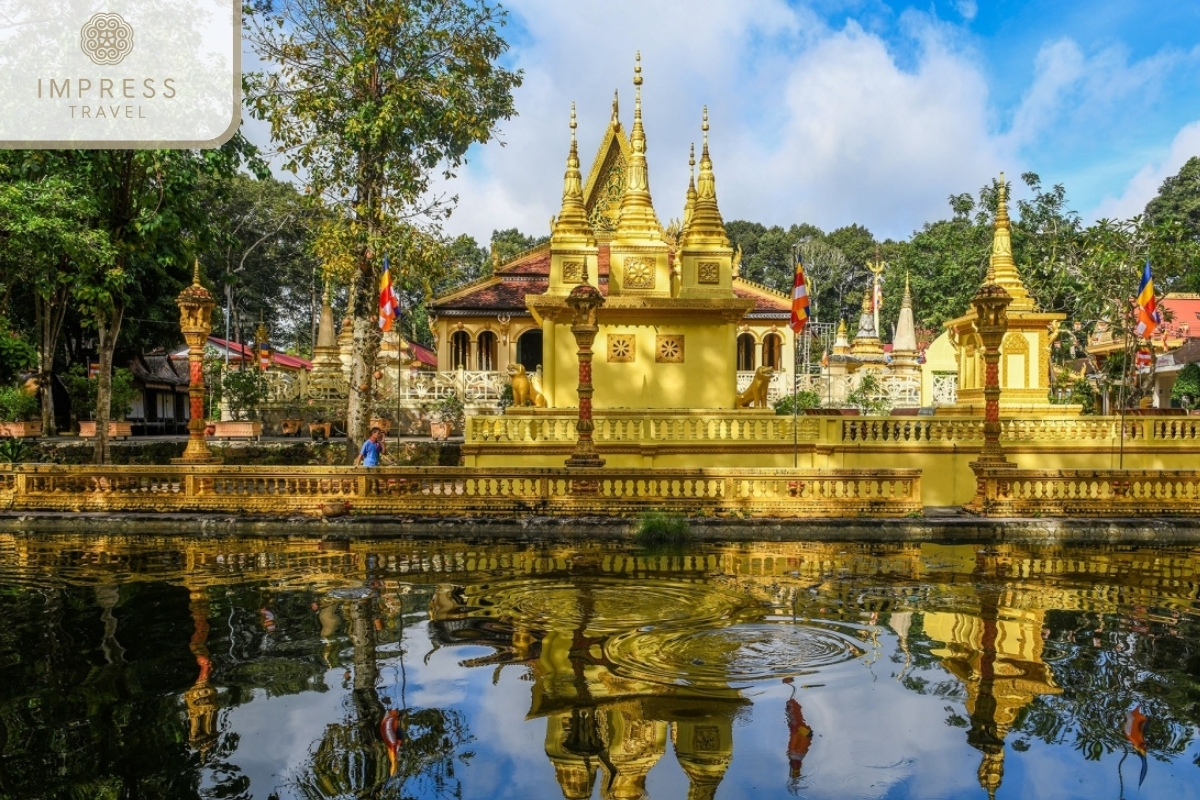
(945, 390)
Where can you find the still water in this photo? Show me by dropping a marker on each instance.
(300, 668)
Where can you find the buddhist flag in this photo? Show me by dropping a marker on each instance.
(799, 300)
(1148, 315)
(387, 299)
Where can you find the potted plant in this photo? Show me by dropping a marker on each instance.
(83, 389)
(19, 413)
(324, 415)
(444, 416)
(243, 390)
(292, 421)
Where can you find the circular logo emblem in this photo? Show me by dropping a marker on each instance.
(106, 39)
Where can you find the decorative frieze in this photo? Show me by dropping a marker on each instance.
(708, 272)
(639, 273)
(622, 348)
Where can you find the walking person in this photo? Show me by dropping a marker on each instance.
(371, 450)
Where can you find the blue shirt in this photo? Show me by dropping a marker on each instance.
(370, 453)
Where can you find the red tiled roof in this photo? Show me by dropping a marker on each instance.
(501, 295)
(536, 262)
(763, 304)
(282, 359)
(424, 354)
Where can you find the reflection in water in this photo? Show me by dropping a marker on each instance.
(307, 669)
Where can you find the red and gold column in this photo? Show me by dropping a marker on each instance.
(195, 321)
(584, 299)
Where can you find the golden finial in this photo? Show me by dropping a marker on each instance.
(616, 111)
(704, 127)
(196, 273)
(692, 160)
(574, 124)
(637, 69)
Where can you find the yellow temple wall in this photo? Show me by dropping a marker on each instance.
(705, 377)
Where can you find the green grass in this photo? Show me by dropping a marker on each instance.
(658, 528)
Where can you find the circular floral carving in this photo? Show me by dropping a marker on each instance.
(106, 38)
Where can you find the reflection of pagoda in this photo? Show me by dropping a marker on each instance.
(998, 657)
(201, 698)
(601, 727)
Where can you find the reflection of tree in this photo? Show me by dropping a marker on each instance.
(1112, 667)
(351, 758)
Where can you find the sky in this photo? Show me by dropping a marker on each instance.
(834, 112)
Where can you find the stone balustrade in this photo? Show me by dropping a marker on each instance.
(433, 491)
(1004, 492)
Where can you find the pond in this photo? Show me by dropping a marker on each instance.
(272, 668)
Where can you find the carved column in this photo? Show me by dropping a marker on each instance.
(991, 304)
(195, 321)
(583, 300)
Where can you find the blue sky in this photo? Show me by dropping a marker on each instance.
(841, 111)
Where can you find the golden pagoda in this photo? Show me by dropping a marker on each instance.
(666, 339)
(1025, 351)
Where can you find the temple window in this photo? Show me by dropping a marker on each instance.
(772, 350)
(745, 353)
(529, 349)
(486, 349)
(460, 350)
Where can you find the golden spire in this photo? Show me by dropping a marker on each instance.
(690, 203)
(706, 226)
(616, 117)
(637, 219)
(196, 273)
(1001, 267)
(572, 219)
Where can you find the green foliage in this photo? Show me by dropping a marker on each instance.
(510, 243)
(448, 409)
(244, 391)
(796, 403)
(83, 393)
(1078, 392)
(506, 396)
(869, 396)
(16, 405)
(17, 355)
(16, 451)
(1186, 390)
(658, 528)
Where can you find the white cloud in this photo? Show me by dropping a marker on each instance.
(968, 9)
(809, 124)
(1145, 184)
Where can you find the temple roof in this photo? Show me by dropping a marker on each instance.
(529, 273)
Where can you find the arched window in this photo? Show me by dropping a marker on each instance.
(460, 350)
(486, 350)
(529, 349)
(745, 352)
(773, 351)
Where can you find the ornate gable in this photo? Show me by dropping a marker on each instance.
(606, 182)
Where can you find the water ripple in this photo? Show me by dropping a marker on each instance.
(735, 655)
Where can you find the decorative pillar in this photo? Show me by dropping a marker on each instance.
(261, 349)
(583, 300)
(195, 321)
(991, 302)
(991, 323)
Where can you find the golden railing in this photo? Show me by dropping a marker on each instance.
(757, 428)
(1086, 493)
(615, 427)
(456, 491)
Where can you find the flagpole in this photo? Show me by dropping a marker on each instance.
(795, 396)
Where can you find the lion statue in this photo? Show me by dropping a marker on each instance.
(525, 391)
(756, 393)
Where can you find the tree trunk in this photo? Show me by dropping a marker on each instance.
(107, 327)
(49, 313)
(364, 314)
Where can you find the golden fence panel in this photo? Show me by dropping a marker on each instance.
(459, 491)
(1086, 493)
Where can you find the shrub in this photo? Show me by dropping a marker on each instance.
(1186, 391)
(16, 405)
(662, 528)
(244, 391)
(448, 409)
(82, 390)
(799, 402)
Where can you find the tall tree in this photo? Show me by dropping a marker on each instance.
(510, 243)
(1175, 211)
(46, 235)
(368, 98)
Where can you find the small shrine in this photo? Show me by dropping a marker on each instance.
(1025, 352)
